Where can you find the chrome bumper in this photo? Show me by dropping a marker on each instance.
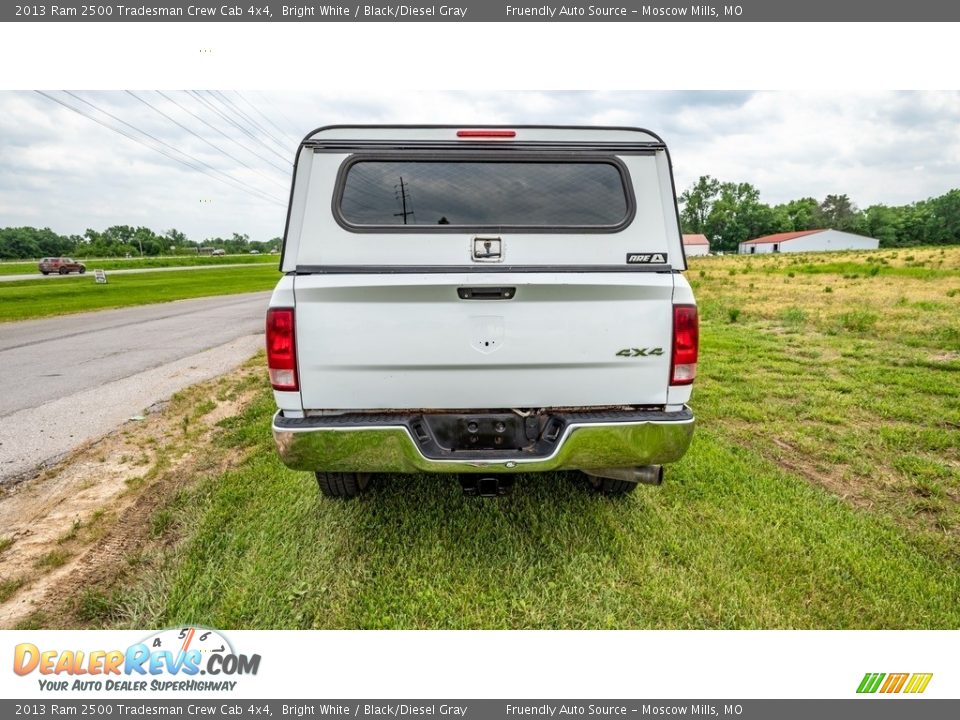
(385, 444)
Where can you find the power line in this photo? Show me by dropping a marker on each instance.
(377, 194)
(290, 123)
(166, 144)
(239, 115)
(203, 139)
(271, 163)
(257, 127)
(252, 191)
(261, 114)
(233, 122)
(282, 145)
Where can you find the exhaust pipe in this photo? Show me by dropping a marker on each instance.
(486, 486)
(646, 474)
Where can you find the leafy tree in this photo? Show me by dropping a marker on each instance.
(883, 223)
(697, 201)
(733, 213)
(18, 243)
(802, 214)
(737, 215)
(946, 210)
(839, 213)
(176, 237)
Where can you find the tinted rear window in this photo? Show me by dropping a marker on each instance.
(484, 194)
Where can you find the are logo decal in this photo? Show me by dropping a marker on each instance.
(646, 258)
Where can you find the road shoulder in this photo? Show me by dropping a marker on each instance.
(33, 438)
(91, 518)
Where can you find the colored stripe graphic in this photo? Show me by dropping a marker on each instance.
(918, 683)
(894, 683)
(870, 682)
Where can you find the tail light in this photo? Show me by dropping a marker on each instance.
(281, 349)
(686, 339)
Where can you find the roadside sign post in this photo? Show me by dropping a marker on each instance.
(100, 276)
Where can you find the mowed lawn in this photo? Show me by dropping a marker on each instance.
(25, 299)
(821, 491)
(17, 267)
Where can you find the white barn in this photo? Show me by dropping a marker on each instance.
(695, 245)
(808, 241)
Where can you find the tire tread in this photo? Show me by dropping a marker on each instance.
(342, 484)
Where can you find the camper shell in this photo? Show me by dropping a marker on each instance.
(482, 300)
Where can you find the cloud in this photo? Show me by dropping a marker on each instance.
(63, 170)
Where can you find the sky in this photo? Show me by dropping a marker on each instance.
(70, 171)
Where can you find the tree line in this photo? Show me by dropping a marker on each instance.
(24, 243)
(729, 213)
(726, 212)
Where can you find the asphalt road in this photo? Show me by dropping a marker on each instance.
(70, 379)
(129, 271)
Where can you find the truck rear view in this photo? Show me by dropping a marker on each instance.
(482, 301)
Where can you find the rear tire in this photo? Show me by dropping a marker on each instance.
(44, 272)
(608, 486)
(64, 271)
(342, 484)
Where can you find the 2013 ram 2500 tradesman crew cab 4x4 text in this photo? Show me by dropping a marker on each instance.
(482, 301)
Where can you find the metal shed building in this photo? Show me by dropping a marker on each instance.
(696, 245)
(808, 241)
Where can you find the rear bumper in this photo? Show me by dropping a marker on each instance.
(385, 443)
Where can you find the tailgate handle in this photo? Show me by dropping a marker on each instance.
(486, 293)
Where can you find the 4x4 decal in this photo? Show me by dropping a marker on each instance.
(640, 352)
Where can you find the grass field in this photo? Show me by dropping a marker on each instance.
(13, 267)
(821, 491)
(26, 299)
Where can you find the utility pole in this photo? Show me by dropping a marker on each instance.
(403, 198)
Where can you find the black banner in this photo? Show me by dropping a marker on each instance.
(872, 708)
(487, 11)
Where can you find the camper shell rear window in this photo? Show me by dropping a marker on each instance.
(456, 192)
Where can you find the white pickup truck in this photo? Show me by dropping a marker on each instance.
(483, 301)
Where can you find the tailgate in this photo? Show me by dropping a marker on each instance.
(439, 341)
(438, 269)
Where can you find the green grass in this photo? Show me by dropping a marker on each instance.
(8, 586)
(822, 490)
(40, 298)
(15, 267)
(94, 606)
(861, 269)
(53, 559)
(729, 541)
